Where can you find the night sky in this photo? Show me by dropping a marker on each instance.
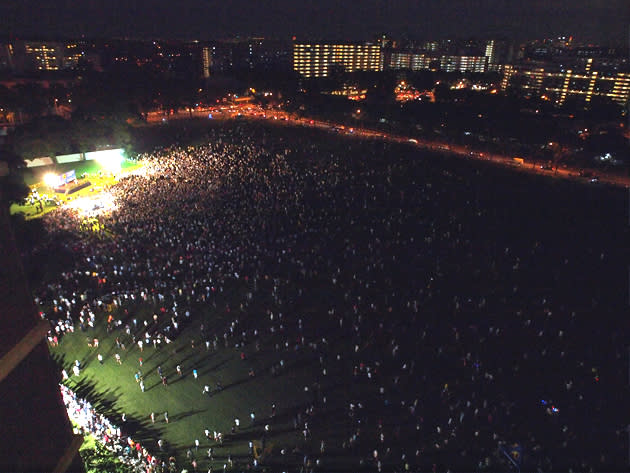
(587, 20)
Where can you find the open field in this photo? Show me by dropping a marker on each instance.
(466, 292)
(190, 411)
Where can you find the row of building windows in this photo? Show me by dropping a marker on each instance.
(313, 60)
(417, 62)
(305, 55)
(316, 60)
(560, 85)
(52, 56)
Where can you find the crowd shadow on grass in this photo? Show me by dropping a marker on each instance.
(183, 361)
(89, 358)
(157, 385)
(237, 457)
(276, 462)
(170, 373)
(62, 363)
(189, 376)
(237, 383)
(104, 403)
(210, 369)
(183, 415)
(257, 433)
(59, 359)
(154, 353)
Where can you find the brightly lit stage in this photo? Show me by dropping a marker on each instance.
(72, 187)
(110, 162)
(98, 200)
(66, 183)
(91, 206)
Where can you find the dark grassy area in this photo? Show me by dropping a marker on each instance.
(113, 390)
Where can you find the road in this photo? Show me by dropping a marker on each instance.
(222, 112)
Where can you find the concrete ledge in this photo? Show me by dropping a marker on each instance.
(22, 349)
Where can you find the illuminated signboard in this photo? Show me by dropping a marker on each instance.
(68, 177)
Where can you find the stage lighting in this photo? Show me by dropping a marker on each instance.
(51, 179)
(110, 160)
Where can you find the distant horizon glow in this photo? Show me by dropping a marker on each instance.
(589, 21)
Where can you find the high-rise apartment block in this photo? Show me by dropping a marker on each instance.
(206, 61)
(558, 85)
(42, 56)
(320, 59)
(449, 63)
(239, 54)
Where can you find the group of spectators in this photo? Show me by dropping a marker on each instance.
(130, 453)
(443, 326)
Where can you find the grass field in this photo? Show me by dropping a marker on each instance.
(97, 458)
(115, 391)
(512, 231)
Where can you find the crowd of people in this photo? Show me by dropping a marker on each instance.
(130, 453)
(442, 326)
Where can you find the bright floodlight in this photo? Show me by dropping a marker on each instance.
(51, 179)
(111, 160)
